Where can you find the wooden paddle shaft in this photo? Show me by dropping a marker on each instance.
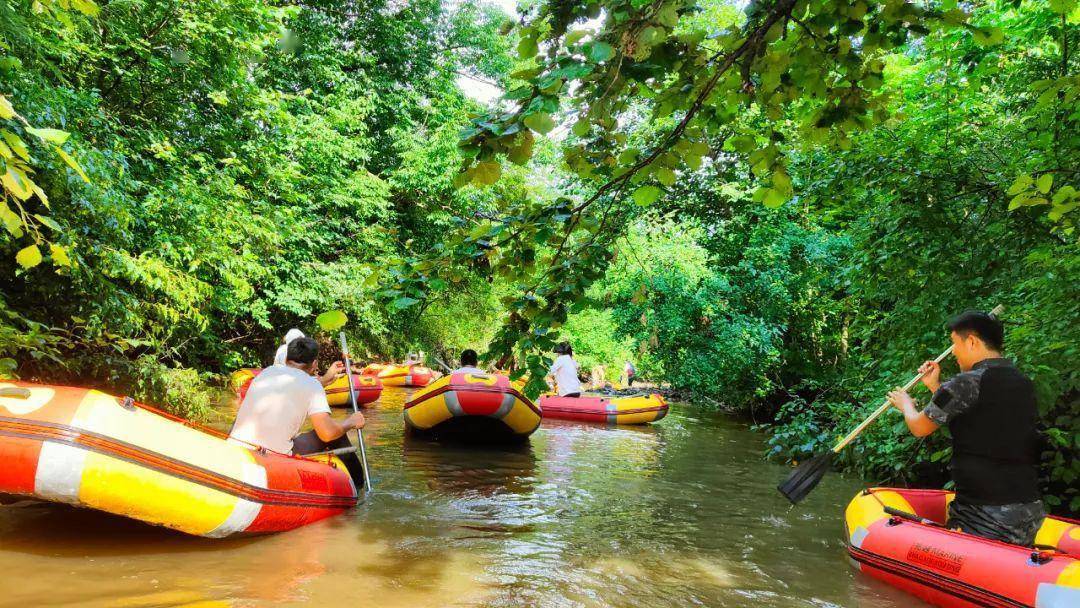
(885, 406)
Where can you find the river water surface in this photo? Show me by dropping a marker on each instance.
(683, 513)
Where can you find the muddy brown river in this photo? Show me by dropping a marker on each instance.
(683, 513)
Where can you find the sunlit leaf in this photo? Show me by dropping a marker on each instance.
(647, 195)
(54, 136)
(71, 163)
(541, 122)
(28, 257)
(1045, 182)
(16, 182)
(332, 320)
(59, 255)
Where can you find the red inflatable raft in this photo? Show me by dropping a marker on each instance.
(93, 450)
(895, 536)
(634, 409)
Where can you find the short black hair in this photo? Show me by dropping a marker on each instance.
(564, 348)
(302, 350)
(468, 357)
(985, 326)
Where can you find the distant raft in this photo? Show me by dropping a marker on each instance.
(373, 369)
(909, 549)
(636, 409)
(89, 449)
(407, 375)
(472, 407)
(368, 389)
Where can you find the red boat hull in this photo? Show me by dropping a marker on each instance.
(951, 569)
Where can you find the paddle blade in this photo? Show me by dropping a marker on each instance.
(806, 477)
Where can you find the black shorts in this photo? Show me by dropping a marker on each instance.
(1015, 524)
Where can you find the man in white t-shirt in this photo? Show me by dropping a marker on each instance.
(469, 362)
(282, 396)
(565, 372)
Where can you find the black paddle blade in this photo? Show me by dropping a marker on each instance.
(806, 477)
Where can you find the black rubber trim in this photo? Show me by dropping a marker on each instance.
(954, 587)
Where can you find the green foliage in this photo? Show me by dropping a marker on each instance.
(250, 165)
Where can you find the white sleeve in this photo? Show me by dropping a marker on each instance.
(555, 367)
(318, 403)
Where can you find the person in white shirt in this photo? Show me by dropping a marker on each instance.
(282, 351)
(336, 369)
(564, 371)
(469, 362)
(282, 397)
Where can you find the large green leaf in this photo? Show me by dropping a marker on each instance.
(332, 320)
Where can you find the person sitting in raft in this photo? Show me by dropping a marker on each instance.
(991, 413)
(469, 362)
(282, 396)
(336, 369)
(564, 371)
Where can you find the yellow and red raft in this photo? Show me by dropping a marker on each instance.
(633, 409)
(90, 449)
(896, 535)
(368, 387)
(406, 375)
(476, 407)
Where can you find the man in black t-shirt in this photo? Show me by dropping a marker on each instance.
(991, 413)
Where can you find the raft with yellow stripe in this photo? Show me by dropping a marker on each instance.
(896, 535)
(368, 389)
(90, 449)
(407, 375)
(634, 409)
(475, 407)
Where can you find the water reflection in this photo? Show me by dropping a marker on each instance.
(683, 513)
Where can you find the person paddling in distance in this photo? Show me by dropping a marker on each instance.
(282, 397)
(335, 371)
(564, 372)
(469, 362)
(992, 416)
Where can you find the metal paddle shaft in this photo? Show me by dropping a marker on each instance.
(807, 475)
(444, 366)
(356, 409)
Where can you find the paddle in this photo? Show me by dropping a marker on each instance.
(809, 474)
(356, 409)
(444, 366)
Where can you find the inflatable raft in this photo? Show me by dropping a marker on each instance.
(473, 407)
(895, 536)
(637, 409)
(412, 374)
(90, 449)
(373, 369)
(368, 389)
